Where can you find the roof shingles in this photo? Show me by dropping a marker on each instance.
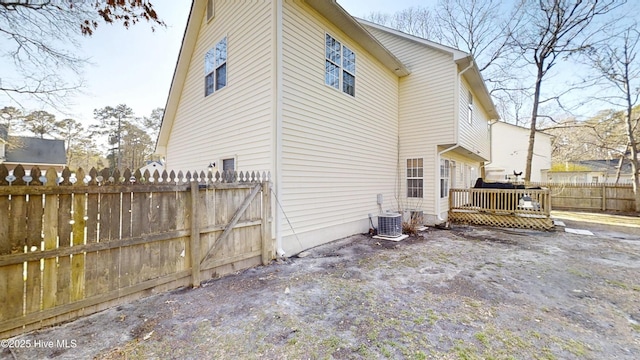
(29, 150)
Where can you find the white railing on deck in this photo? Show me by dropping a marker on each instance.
(501, 201)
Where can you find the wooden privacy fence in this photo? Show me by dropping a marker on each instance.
(594, 197)
(518, 208)
(74, 245)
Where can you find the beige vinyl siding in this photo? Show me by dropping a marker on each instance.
(464, 175)
(339, 151)
(234, 121)
(474, 135)
(427, 111)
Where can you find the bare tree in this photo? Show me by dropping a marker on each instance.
(552, 30)
(478, 27)
(481, 28)
(616, 62)
(418, 21)
(35, 36)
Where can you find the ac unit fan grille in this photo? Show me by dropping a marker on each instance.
(390, 225)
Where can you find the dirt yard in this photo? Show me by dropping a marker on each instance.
(465, 293)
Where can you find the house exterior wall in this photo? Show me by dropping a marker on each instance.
(509, 148)
(235, 121)
(426, 113)
(430, 122)
(338, 151)
(463, 173)
(473, 135)
(331, 153)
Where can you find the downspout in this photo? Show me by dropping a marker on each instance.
(278, 128)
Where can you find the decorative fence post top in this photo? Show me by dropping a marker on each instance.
(35, 176)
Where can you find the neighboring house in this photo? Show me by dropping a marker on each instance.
(152, 166)
(593, 171)
(3, 142)
(30, 152)
(509, 147)
(338, 109)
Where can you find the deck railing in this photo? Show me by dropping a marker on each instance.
(523, 208)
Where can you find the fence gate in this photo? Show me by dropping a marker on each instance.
(230, 228)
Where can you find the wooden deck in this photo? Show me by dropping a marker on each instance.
(516, 208)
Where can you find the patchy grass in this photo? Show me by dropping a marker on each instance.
(447, 297)
(579, 273)
(617, 283)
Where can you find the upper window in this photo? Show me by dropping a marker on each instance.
(415, 175)
(210, 10)
(215, 68)
(340, 66)
(470, 114)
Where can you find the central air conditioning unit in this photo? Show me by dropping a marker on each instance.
(390, 224)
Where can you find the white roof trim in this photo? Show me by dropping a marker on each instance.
(461, 58)
(187, 47)
(457, 54)
(541, 132)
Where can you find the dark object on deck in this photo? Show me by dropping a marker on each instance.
(484, 202)
(480, 184)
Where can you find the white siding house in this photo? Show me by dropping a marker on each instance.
(509, 147)
(444, 112)
(334, 107)
(221, 125)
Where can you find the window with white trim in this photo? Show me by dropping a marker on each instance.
(229, 164)
(415, 181)
(470, 114)
(215, 68)
(210, 10)
(340, 66)
(444, 178)
(453, 174)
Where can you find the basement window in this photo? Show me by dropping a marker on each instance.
(229, 164)
(215, 68)
(340, 66)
